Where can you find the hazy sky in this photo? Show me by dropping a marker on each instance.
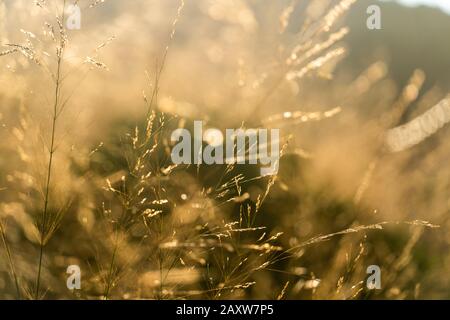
(443, 4)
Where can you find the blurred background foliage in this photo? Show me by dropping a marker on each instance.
(145, 229)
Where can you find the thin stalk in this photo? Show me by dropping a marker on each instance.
(10, 260)
(161, 261)
(110, 277)
(49, 170)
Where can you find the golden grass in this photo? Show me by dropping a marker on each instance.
(143, 228)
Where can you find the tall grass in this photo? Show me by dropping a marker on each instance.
(10, 259)
(48, 220)
(44, 230)
(153, 230)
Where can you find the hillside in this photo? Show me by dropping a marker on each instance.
(410, 38)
